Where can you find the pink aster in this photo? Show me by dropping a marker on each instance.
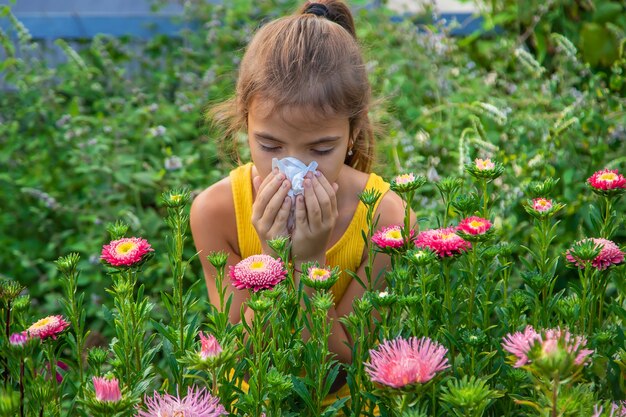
(404, 179)
(520, 343)
(607, 179)
(610, 254)
(49, 326)
(574, 345)
(210, 346)
(197, 403)
(257, 272)
(319, 274)
(484, 164)
(107, 389)
(18, 339)
(389, 237)
(541, 204)
(401, 362)
(127, 251)
(474, 225)
(445, 242)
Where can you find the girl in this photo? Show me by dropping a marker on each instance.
(302, 92)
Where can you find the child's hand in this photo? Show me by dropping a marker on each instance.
(271, 207)
(316, 215)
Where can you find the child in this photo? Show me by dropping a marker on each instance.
(302, 92)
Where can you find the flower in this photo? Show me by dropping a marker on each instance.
(607, 179)
(49, 326)
(541, 204)
(107, 389)
(401, 362)
(551, 343)
(210, 346)
(390, 237)
(319, 278)
(197, 403)
(257, 272)
(484, 164)
(18, 339)
(474, 225)
(405, 183)
(125, 251)
(443, 241)
(610, 254)
(519, 344)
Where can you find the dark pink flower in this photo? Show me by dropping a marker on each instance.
(49, 326)
(520, 343)
(126, 251)
(389, 237)
(197, 403)
(400, 362)
(542, 205)
(607, 179)
(257, 272)
(474, 225)
(18, 339)
(210, 346)
(610, 254)
(445, 242)
(107, 389)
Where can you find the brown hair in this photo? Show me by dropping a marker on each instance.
(309, 61)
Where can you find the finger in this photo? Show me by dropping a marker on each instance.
(282, 217)
(276, 201)
(300, 214)
(330, 193)
(273, 193)
(313, 209)
(268, 178)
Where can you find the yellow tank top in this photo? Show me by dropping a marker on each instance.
(346, 253)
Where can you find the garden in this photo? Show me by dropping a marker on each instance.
(506, 298)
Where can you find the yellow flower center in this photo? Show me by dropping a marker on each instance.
(608, 176)
(124, 248)
(178, 414)
(175, 198)
(448, 236)
(394, 234)
(41, 323)
(318, 273)
(257, 265)
(476, 224)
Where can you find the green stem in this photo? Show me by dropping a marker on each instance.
(472, 285)
(485, 199)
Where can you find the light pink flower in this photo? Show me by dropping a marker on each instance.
(610, 254)
(401, 362)
(18, 339)
(484, 164)
(49, 326)
(319, 274)
(210, 346)
(197, 403)
(107, 389)
(541, 204)
(125, 251)
(474, 225)
(257, 272)
(404, 178)
(443, 241)
(607, 179)
(520, 343)
(389, 237)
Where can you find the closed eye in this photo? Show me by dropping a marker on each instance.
(269, 148)
(323, 151)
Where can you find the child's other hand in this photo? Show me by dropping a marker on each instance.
(271, 207)
(316, 215)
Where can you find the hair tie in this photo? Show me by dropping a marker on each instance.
(318, 9)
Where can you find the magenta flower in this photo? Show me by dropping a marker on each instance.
(474, 225)
(520, 343)
(542, 205)
(610, 254)
(49, 326)
(125, 251)
(107, 390)
(210, 346)
(390, 237)
(400, 362)
(445, 242)
(607, 179)
(197, 403)
(257, 272)
(18, 339)
(484, 164)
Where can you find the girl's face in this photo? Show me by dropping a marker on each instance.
(299, 133)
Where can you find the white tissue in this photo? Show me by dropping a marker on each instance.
(294, 170)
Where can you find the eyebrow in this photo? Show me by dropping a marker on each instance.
(325, 139)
